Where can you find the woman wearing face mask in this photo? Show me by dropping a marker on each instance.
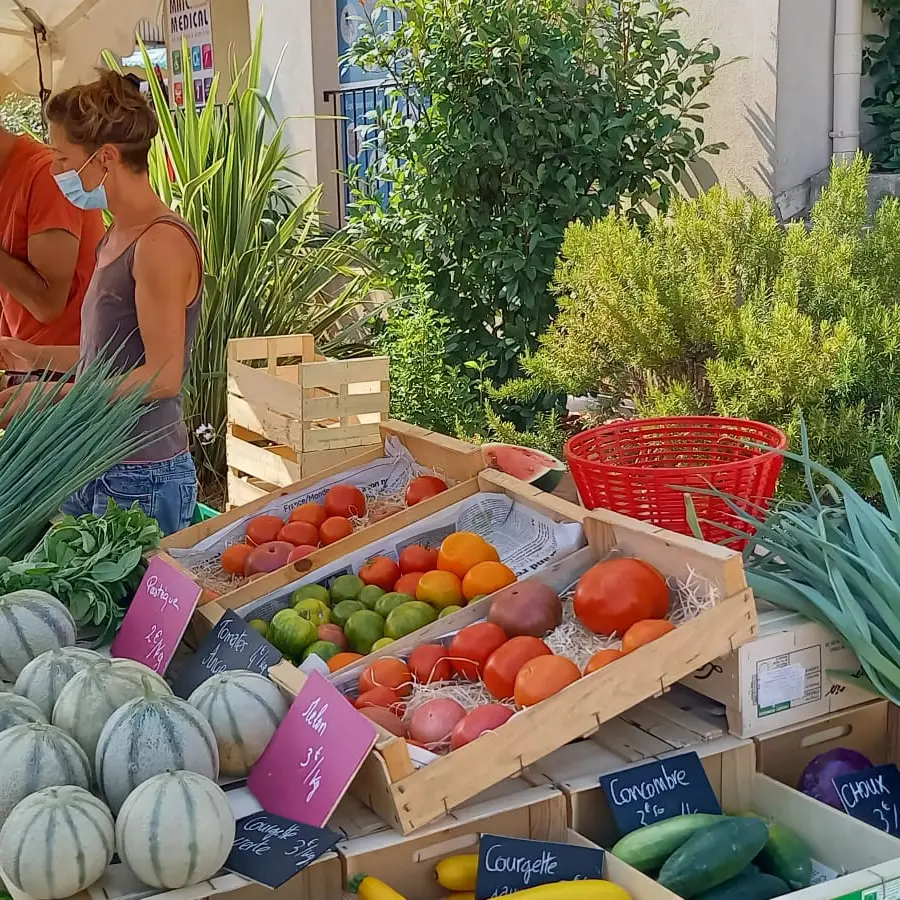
(144, 300)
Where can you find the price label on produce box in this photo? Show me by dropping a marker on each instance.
(872, 796)
(507, 865)
(313, 756)
(271, 850)
(232, 644)
(670, 787)
(158, 615)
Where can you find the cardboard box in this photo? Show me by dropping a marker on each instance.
(780, 678)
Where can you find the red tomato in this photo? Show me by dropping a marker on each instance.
(429, 663)
(311, 513)
(334, 529)
(407, 584)
(263, 529)
(346, 501)
(477, 722)
(387, 672)
(504, 663)
(386, 719)
(381, 697)
(542, 677)
(472, 646)
(417, 558)
(433, 721)
(300, 534)
(424, 487)
(301, 552)
(382, 571)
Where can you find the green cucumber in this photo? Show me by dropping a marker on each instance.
(786, 855)
(748, 885)
(648, 848)
(713, 855)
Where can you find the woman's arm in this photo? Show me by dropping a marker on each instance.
(20, 356)
(166, 280)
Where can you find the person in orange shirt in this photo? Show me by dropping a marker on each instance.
(47, 249)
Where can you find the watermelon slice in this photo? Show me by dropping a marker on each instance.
(540, 469)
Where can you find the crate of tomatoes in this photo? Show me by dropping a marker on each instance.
(476, 697)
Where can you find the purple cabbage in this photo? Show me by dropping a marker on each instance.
(817, 780)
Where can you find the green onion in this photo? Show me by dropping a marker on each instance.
(835, 560)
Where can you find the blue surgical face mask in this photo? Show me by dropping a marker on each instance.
(72, 187)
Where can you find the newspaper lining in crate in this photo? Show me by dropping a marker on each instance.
(386, 476)
(525, 539)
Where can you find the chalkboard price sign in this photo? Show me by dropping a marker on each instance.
(271, 850)
(507, 865)
(873, 796)
(232, 644)
(662, 789)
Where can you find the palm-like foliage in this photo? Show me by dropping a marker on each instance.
(271, 266)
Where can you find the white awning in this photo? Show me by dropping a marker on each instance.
(70, 35)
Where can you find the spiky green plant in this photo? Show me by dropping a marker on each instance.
(57, 444)
(272, 267)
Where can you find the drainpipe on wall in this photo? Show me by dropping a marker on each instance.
(847, 76)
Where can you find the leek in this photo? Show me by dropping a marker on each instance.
(834, 559)
(57, 444)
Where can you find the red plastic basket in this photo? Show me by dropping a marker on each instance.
(636, 468)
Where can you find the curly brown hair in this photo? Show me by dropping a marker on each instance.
(110, 110)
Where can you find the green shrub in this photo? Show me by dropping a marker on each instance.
(507, 121)
(717, 309)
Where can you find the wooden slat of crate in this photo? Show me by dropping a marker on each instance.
(409, 798)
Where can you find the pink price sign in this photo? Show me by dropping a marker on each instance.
(313, 756)
(158, 615)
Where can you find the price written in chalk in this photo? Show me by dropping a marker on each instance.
(231, 645)
(873, 796)
(270, 849)
(508, 865)
(659, 790)
(156, 642)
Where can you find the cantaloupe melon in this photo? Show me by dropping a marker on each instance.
(175, 830)
(16, 710)
(30, 623)
(35, 756)
(244, 709)
(149, 736)
(57, 842)
(42, 680)
(96, 692)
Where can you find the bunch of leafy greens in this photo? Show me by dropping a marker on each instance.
(92, 564)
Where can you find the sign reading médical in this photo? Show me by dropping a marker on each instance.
(658, 790)
(158, 616)
(190, 70)
(507, 865)
(313, 756)
(872, 796)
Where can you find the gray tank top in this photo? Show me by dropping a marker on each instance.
(109, 323)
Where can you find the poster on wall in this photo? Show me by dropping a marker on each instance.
(193, 71)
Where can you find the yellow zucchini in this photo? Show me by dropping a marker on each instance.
(575, 890)
(370, 888)
(458, 873)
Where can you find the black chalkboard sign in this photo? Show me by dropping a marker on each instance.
(271, 850)
(507, 865)
(659, 790)
(873, 796)
(232, 644)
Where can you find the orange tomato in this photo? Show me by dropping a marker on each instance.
(485, 578)
(612, 595)
(263, 529)
(388, 672)
(644, 632)
(381, 697)
(505, 662)
(543, 677)
(407, 584)
(311, 513)
(234, 559)
(463, 550)
(334, 529)
(300, 534)
(339, 660)
(602, 658)
(440, 589)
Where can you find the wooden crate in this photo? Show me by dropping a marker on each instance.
(299, 414)
(409, 798)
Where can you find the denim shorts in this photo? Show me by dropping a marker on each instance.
(166, 491)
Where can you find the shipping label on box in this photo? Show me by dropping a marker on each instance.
(781, 677)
